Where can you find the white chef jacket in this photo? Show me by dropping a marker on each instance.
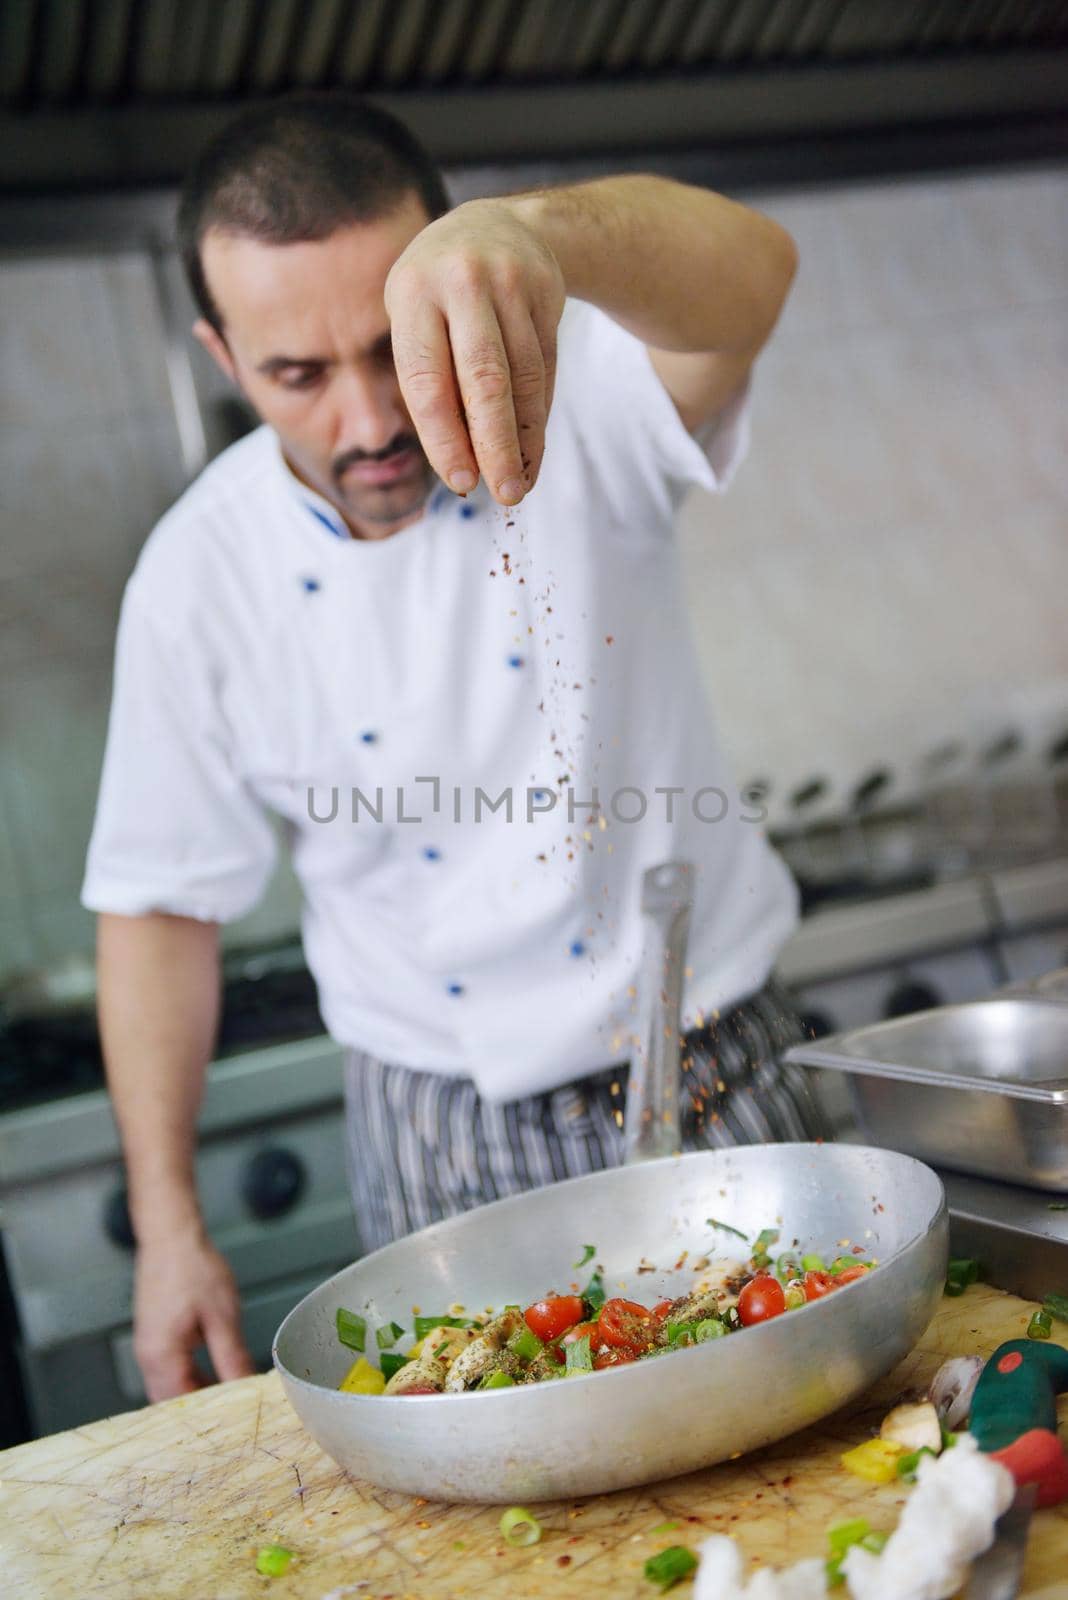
(389, 699)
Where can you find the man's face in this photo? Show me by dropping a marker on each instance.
(306, 337)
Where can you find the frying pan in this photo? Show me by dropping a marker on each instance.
(602, 1431)
(649, 1222)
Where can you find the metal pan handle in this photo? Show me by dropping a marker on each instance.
(651, 1126)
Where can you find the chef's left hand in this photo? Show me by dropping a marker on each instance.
(474, 303)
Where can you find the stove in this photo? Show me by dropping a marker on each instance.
(270, 1172)
(268, 995)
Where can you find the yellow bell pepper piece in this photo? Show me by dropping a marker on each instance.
(362, 1378)
(875, 1460)
(415, 1352)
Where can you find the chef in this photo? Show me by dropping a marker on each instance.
(427, 622)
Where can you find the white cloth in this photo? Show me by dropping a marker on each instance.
(263, 654)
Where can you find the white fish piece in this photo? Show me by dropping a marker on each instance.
(948, 1520)
(720, 1570)
(427, 1369)
(805, 1580)
(483, 1355)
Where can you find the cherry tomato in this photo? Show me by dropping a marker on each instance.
(817, 1284)
(762, 1297)
(850, 1275)
(548, 1319)
(661, 1310)
(612, 1358)
(625, 1325)
(580, 1331)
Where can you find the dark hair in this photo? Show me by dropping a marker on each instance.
(297, 169)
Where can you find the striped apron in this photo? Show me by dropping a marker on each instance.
(421, 1146)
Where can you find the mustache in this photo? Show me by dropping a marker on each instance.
(351, 458)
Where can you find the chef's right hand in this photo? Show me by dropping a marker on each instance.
(185, 1296)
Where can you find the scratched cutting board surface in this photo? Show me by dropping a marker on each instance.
(174, 1501)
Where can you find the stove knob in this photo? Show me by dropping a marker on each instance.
(912, 995)
(117, 1224)
(273, 1183)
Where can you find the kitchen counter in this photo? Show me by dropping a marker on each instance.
(172, 1503)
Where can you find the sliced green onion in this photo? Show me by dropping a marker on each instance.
(594, 1294)
(813, 1264)
(525, 1344)
(1057, 1205)
(875, 1542)
(709, 1328)
(795, 1297)
(843, 1534)
(835, 1575)
(425, 1325)
(765, 1237)
(1040, 1325)
(725, 1227)
(1056, 1305)
(907, 1464)
(786, 1267)
(391, 1363)
(588, 1253)
(948, 1439)
(662, 1528)
(670, 1566)
(961, 1272)
(498, 1380)
(272, 1560)
(678, 1333)
(579, 1358)
(387, 1337)
(518, 1527)
(351, 1330)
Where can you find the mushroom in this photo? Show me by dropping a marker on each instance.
(952, 1388)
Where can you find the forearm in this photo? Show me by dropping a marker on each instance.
(681, 268)
(158, 987)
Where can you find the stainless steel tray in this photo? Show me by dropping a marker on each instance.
(1051, 986)
(980, 1088)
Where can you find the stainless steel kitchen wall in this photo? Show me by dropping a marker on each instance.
(91, 454)
(890, 570)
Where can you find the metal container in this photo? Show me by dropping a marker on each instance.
(608, 1430)
(980, 1087)
(1051, 986)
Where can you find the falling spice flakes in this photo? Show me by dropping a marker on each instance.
(609, 638)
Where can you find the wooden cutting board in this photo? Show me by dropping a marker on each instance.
(174, 1501)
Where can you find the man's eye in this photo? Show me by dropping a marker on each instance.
(300, 377)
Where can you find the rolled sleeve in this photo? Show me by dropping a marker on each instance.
(177, 830)
(613, 396)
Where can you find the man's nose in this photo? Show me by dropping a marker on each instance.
(370, 413)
